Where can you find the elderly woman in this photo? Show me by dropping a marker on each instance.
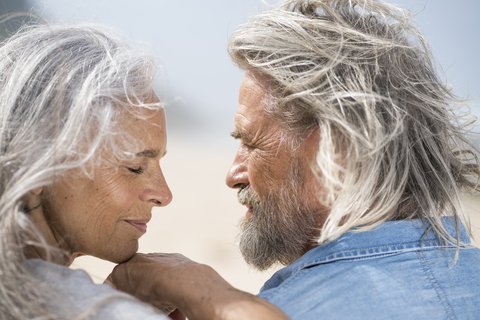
(82, 134)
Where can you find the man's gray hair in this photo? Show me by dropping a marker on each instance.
(393, 140)
(63, 91)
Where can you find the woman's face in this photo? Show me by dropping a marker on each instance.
(106, 216)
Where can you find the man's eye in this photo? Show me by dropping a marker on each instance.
(138, 170)
(248, 146)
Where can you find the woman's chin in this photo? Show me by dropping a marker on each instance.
(124, 258)
(119, 255)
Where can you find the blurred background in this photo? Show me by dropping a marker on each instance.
(199, 86)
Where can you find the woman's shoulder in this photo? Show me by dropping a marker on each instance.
(72, 293)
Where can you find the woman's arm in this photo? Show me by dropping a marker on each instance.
(195, 289)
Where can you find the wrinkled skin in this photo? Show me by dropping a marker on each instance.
(105, 215)
(275, 181)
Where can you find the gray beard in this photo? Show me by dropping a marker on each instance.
(281, 226)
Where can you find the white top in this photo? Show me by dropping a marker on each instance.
(72, 293)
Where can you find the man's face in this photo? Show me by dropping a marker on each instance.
(276, 183)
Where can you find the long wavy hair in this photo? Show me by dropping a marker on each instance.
(394, 141)
(63, 90)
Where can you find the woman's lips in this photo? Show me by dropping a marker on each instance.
(140, 225)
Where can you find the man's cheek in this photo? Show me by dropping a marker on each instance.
(262, 174)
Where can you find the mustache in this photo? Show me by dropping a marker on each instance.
(248, 197)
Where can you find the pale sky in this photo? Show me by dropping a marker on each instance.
(190, 37)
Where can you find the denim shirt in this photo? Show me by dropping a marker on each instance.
(384, 273)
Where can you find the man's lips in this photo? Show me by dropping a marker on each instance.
(140, 224)
(249, 212)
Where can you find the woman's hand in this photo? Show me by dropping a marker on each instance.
(172, 280)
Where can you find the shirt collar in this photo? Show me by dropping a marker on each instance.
(387, 238)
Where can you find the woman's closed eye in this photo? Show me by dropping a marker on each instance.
(138, 170)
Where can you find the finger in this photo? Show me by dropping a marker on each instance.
(120, 278)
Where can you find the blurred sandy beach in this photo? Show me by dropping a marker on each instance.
(202, 218)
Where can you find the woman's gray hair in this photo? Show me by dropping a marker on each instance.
(393, 139)
(63, 91)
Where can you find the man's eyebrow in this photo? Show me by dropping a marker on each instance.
(150, 153)
(237, 134)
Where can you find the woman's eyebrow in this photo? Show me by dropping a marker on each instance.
(149, 153)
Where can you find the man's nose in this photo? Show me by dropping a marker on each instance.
(237, 176)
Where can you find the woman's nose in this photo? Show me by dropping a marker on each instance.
(157, 193)
(237, 176)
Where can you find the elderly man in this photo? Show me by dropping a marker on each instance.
(351, 163)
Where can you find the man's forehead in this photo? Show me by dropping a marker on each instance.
(251, 116)
(248, 125)
(253, 84)
(247, 118)
(251, 102)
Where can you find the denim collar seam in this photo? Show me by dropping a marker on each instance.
(285, 283)
(399, 248)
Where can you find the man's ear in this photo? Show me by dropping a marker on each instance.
(36, 191)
